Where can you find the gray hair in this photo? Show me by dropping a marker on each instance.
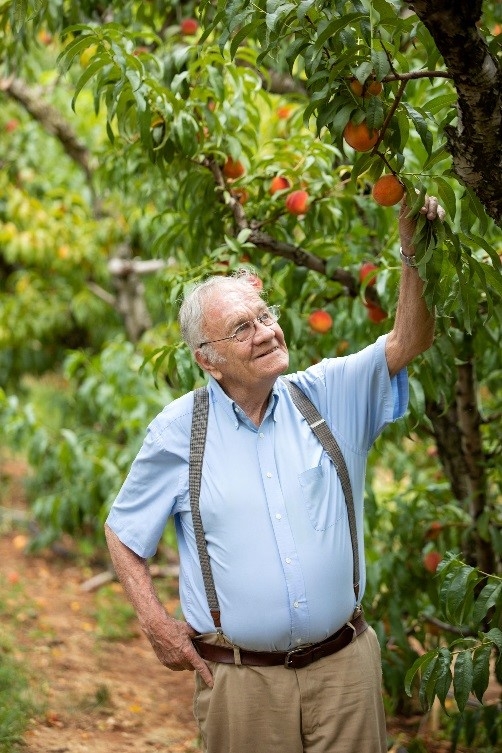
(191, 314)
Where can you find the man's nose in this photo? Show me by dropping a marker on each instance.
(262, 331)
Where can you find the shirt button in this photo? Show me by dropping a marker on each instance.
(269, 475)
(278, 515)
(288, 560)
(261, 435)
(296, 604)
(298, 640)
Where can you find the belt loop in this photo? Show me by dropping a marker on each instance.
(237, 656)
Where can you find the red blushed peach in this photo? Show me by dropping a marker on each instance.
(320, 321)
(297, 202)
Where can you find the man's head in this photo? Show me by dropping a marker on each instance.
(209, 317)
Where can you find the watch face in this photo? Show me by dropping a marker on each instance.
(410, 261)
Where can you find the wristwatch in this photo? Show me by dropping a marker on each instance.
(410, 261)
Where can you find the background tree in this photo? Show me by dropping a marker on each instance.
(148, 144)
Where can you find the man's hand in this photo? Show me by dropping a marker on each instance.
(170, 638)
(171, 641)
(431, 209)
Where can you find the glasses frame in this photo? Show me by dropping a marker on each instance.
(270, 310)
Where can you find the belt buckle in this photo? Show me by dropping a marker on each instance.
(287, 659)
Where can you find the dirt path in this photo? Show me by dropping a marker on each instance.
(103, 696)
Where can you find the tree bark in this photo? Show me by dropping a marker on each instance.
(475, 143)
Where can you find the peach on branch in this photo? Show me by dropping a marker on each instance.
(279, 183)
(359, 136)
(320, 321)
(233, 169)
(297, 202)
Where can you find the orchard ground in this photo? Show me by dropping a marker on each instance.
(98, 695)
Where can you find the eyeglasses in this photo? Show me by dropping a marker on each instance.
(247, 329)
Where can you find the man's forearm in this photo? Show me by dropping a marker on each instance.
(134, 574)
(413, 330)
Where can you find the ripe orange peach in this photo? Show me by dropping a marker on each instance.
(388, 190)
(283, 112)
(368, 270)
(233, 169)
(189, 26)
(359, 136)
(279, 183)
(431, 561)
(375, 313)
(241, 194)
(320, 321)
(297, 202)
(373, 89)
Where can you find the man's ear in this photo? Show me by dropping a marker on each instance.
(207, 365)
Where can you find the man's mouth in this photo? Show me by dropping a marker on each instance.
(268, 352)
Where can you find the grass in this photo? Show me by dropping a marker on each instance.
(17, 705)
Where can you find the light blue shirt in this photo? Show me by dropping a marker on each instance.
(271, 503)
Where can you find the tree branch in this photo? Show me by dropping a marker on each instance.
(295, 254)
(50, 119)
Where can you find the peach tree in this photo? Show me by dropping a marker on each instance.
(149, 144)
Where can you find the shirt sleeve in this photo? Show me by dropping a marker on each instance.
(356, 395)
(150, 492)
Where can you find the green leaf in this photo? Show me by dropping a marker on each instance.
(447, 196)
(381, 64)
(481, 671)
(277, 13)
(421, 127)
(336, 26)
(494, 635)
(463, 678)
(94, 66)
(488, 598)
(444, 676)
(455, 593)
(419, 664)
(428, 682)
(442, 102)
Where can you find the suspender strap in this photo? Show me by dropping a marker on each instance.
(326, 438)
(197, 445)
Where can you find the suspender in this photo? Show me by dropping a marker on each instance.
(197, 445)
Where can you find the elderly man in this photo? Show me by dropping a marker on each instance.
(286, 663)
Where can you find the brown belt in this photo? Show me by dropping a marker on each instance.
(296, 658)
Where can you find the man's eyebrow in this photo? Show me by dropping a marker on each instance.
(260, 309)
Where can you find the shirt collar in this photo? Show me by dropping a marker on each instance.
(232, 409)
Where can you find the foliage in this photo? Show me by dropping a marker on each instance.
(468, 597)
(82, 458)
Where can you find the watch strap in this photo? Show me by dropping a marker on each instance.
(410, 261)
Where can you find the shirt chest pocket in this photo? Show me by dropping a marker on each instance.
(323, 495)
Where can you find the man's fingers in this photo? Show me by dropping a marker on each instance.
(432, 209)
(201, 667)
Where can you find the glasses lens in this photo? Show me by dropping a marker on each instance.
(244, 331)
(271, 314)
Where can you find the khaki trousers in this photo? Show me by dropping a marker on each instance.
(332, 706)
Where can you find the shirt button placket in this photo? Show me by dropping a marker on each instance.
(286, 545)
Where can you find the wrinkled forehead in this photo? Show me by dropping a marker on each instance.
(239, 301)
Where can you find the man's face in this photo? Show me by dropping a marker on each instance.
(245, 366)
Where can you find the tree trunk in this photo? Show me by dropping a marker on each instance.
(475, 143)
